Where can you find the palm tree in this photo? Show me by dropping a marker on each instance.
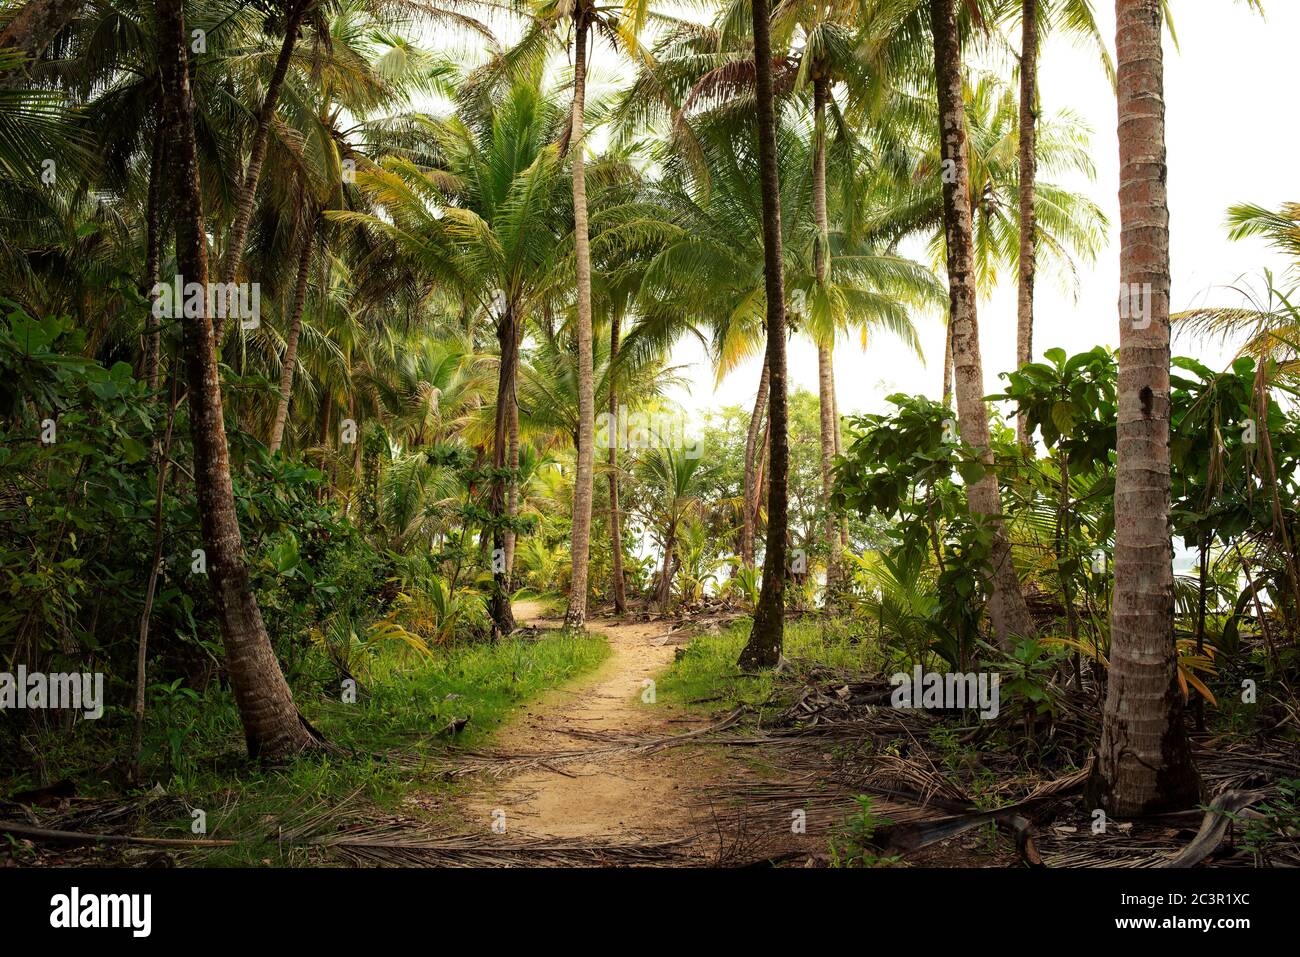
(1035, 17)
(708, 281)
(1007, 610)
(672, 480)
(273, 727)
(622, 24)
(488, 222)
(1269, 324)
(294, 14)
(1144, 762)
(575, 616)
(766, 638)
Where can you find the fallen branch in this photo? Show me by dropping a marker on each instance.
(83, 837)
(1215, 824)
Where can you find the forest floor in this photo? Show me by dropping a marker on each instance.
(619, 796)
(647, 751)
(641, 744)
(608, 761)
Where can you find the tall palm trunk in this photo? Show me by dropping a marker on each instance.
(272, 726)
(512, 496)
(503, 618)
(1028, 169)
(665, 590)
(839, 450)
(829, 425)
(825, 367)
(583, 483)
(947, 366)
(290, 359)
(615, 519)
(1007, 611)
(153, 255)
(257, 152)
(1144, 764)
(767, 635)
(751, 471)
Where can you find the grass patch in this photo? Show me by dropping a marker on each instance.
(194, 744)
(706, 674)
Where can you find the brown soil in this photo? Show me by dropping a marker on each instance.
(614, 797)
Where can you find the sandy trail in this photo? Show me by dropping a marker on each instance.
(637, 796)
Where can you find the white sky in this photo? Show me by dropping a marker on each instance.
(1230, 139)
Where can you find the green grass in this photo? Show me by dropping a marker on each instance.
(706, 674)
(194, 746)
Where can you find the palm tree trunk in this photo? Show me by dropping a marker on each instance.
(257, 152)
(1028, 168)
(503, 618)
(273, 727)
(839, 450)
(665, 588)
(829, 425)
(290, 358)
(766, 638)
(947, 365)
(1007, 610)
(153, 256)
(751, 471)
(576, 615)
(37, 23)
(1144, 764)
(512, 496)
(615, 519)
(825, 367)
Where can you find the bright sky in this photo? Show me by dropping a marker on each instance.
(1230, 140)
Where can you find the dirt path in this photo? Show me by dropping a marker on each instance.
(616, 797)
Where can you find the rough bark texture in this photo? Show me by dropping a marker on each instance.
(767, 635)
(751, 471)
(503, 617)
(1007, 611)
(1028, 168)
(153, 256)
(829, 425)
(273, 728)
(257, 152)
(825, 367)
(615, 518)
(583, 482)
(947, 366)
(512, 494)
(1144, 764)
(664, 590)
(290, 359)
(35, 25)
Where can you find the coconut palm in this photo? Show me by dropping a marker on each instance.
(272, 725)
(1267, 325)
(1037, 18)
(1008, 613)
(671, 481)
(489, 221)
(708, 281)
(1144, 762)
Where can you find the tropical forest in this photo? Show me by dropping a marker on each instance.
(622, 434)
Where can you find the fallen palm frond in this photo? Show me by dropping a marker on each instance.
(409, 844)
